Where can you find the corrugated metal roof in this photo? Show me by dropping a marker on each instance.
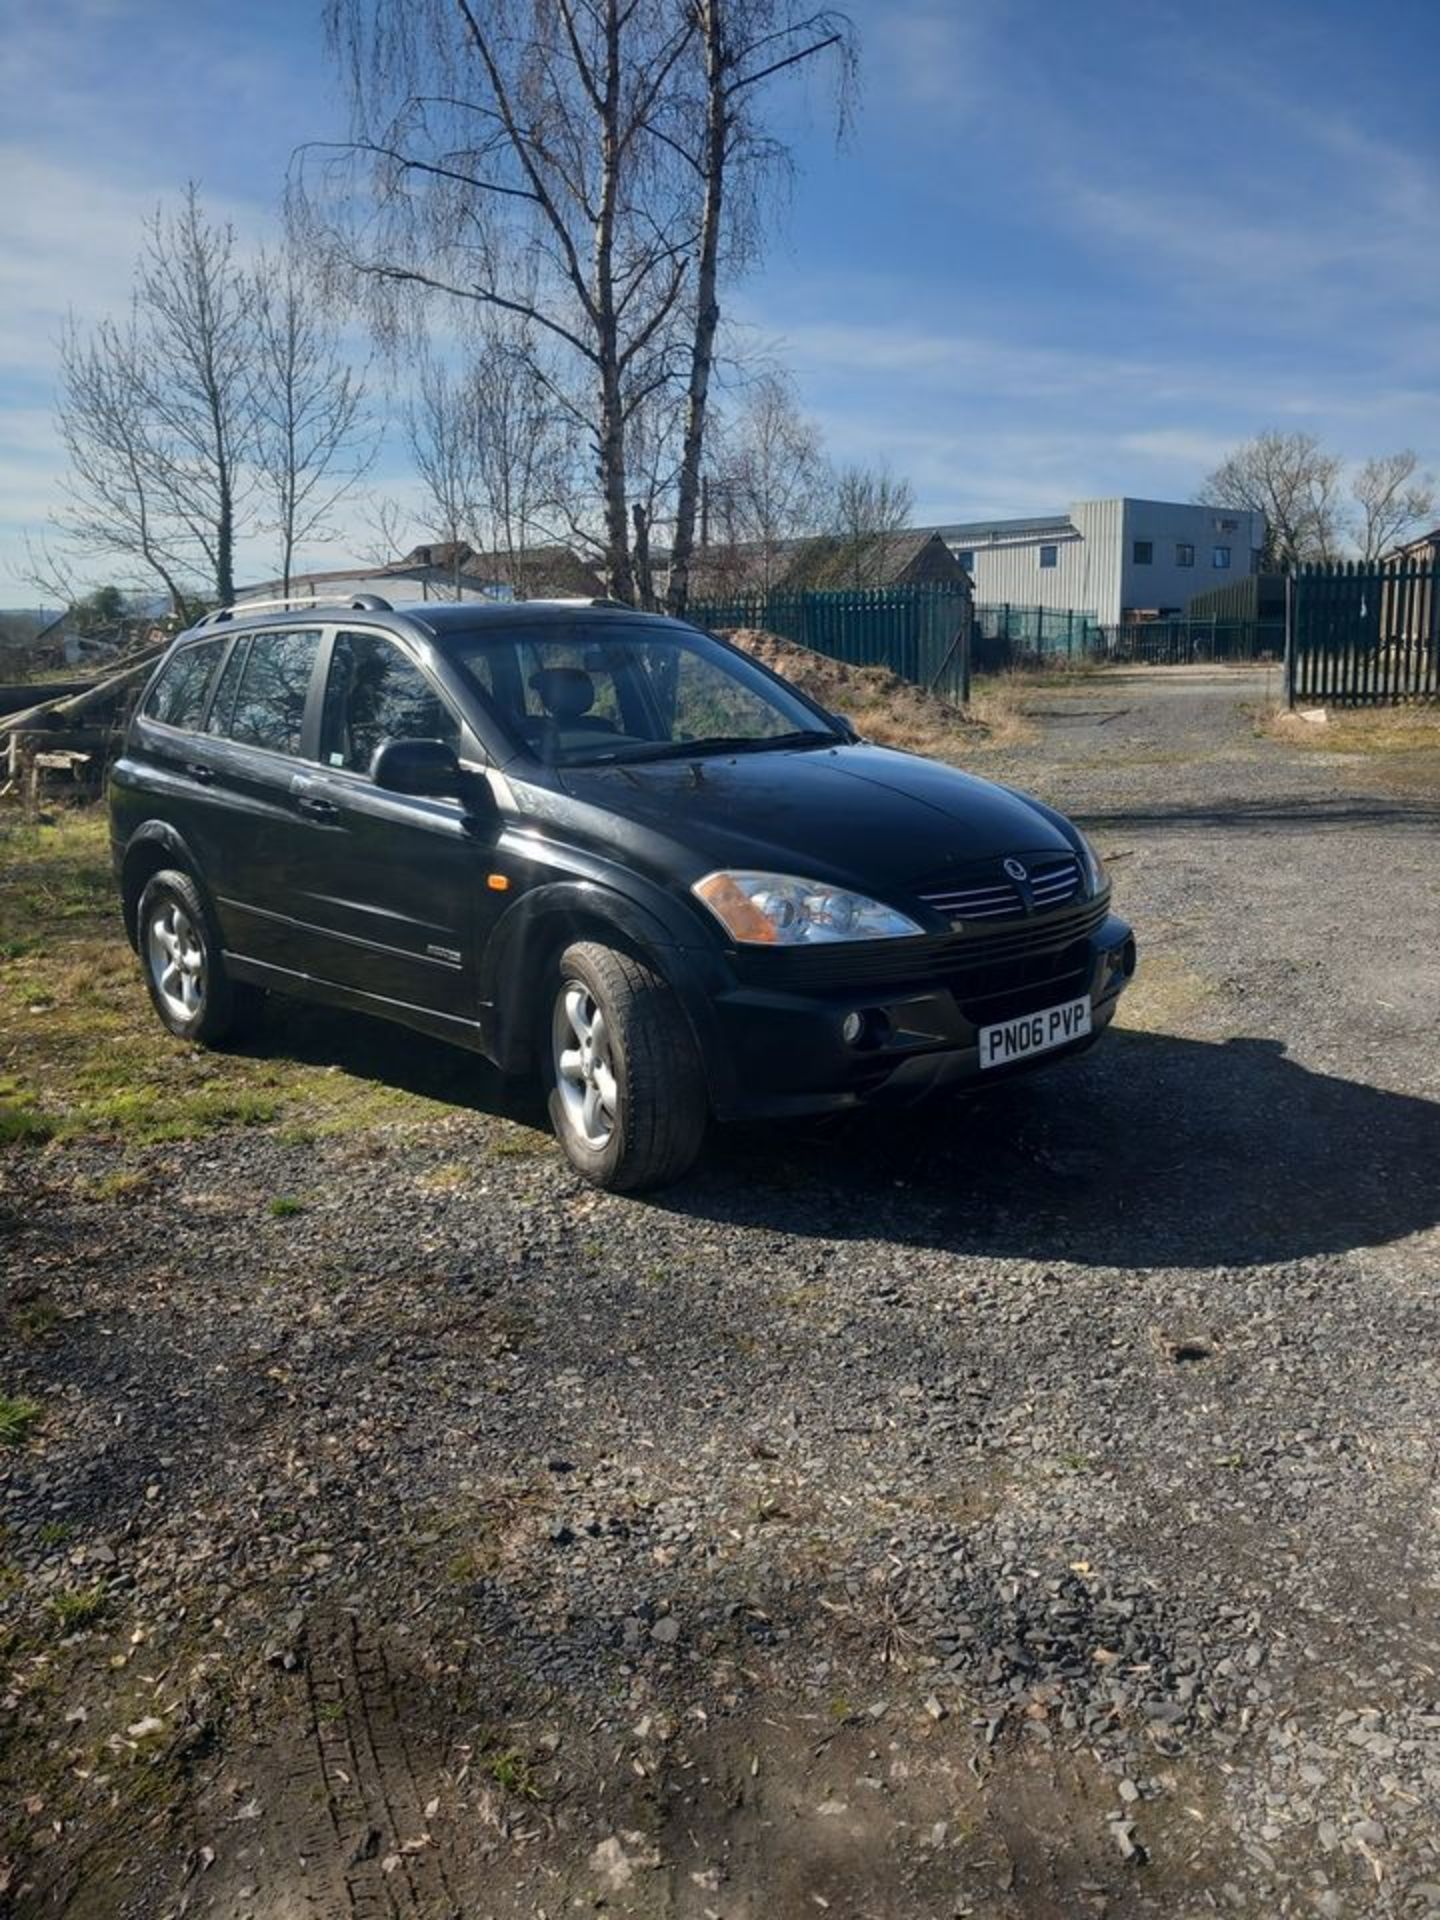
(963, 532)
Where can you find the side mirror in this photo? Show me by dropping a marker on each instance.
(426, 767)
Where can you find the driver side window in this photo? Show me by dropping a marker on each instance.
(375, 693)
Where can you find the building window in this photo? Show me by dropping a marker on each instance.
(967, 560)
(1142, 552)
(1184, 554)
(1048, 556)
(1220, 558)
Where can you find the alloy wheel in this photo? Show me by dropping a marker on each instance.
(177, 959)
(584, 1066)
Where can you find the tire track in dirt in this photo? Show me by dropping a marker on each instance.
(348, 1837)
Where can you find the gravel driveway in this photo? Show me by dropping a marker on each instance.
(1019, 1508)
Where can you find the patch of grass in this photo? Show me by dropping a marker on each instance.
(21, 1121)
(284, 1207)
(511, 1771)
(123, 1184)
(87, 1058)
(76, 1608)
(511, 1141)
(448, 1178)
(18, 1420)
(54, 1533)
(1376, 731)
(34, 1320)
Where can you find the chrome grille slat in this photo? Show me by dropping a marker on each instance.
(1054, 881)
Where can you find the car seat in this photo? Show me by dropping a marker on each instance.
(567, 695)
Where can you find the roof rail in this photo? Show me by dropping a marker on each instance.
(357, 603)
(568, 600)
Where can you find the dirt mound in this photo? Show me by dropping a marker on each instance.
(885, 708)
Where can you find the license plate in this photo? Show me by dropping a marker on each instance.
(1034, 1033)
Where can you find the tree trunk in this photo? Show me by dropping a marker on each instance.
(644, 578)
(707, 310)
(619, 579)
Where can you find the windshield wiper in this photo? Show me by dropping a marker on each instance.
(712, 743)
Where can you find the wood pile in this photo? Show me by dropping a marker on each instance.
(69, 736)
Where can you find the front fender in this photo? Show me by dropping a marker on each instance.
(547, 918)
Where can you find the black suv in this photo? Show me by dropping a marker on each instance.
(599, 846)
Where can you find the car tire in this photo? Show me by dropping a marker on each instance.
(183, 963)
(626, 1086)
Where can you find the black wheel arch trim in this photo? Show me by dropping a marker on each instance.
(160, 836)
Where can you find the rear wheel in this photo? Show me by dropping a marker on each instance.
(627, 1093)
(184, 967)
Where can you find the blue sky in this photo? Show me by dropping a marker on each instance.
(1066, 250)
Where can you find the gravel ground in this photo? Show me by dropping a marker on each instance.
(1018, 1508)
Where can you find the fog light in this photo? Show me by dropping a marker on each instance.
(852, 1029)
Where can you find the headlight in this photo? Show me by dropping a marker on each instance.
(1094, 867)
(777, 910)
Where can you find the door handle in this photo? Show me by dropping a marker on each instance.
(197, 770)
(318, 809)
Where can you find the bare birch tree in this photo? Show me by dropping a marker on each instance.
(1392, 498)
(440, 432)
(501, 155)
(743, 45)
(1295, 483)
(313, 441)
(117, 502)
(157, 411)
(197, 368)
(771, 478)
(525, 435)
(870, 509)
(589, 167)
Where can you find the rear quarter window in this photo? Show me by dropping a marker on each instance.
(177, 698)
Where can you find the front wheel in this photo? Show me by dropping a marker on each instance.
(627, 1089)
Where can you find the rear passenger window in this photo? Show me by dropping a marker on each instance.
(178, 697)
(376, 693)
(274, 683)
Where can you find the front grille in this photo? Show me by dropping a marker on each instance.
(1051, 881)
(972, 965)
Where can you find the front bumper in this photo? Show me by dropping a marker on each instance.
(783, 1051)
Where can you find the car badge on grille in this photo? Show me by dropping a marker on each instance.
(1016, 870)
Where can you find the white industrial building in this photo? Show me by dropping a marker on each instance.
(1115, 560)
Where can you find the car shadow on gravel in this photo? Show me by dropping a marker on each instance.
(392, 1057)
(1153, 1151)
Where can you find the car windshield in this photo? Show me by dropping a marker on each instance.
(604, 693)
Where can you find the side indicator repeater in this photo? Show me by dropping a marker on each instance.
(497, 882)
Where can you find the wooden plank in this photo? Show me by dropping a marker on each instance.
(81, 702)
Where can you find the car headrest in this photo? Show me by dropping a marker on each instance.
(565, 692)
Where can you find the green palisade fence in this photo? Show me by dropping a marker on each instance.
(1364, 635)
(921, 633)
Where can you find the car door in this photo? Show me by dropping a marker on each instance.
(264, 704)
(386, 882)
